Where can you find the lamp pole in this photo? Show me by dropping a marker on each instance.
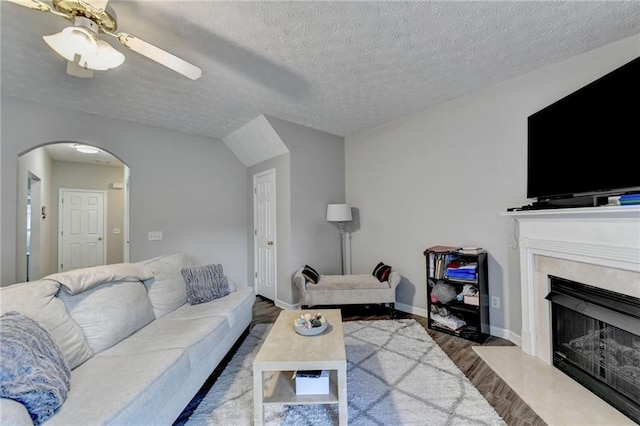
(342, 246)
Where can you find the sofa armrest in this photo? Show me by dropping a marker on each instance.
(394, 279)
(300, 282)
(13, 413)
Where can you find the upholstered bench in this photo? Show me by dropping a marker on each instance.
(354, 289)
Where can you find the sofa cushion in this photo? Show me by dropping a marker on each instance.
(36, 299)
(381, 272)
(83, 279)
(234, 307)
(110, 312)
(168, 333)
(167, 289)
(34, 370)
(123, 389)
(348, 282)
(13, 413)
(205, 283)
(310, 274)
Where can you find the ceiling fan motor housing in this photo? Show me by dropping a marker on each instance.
(81, 21)
(105, 19)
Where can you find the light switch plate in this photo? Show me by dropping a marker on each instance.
(154, 235)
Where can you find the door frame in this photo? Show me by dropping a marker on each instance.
(61, 219)
(271, 171)
(33, 269)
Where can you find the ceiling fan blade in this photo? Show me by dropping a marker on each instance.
(32, 4)
(161, 56)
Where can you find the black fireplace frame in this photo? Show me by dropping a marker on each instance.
(603, 305)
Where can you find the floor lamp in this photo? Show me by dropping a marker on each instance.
(339, 213)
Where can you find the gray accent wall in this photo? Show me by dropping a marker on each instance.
(315, 178)
(281, 165)
(442, 176)
(191, 188)
(39, 164)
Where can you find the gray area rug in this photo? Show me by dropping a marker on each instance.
(396, 375)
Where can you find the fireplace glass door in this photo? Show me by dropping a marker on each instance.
(596, 341)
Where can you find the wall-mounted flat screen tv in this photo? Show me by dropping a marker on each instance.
(586, 143)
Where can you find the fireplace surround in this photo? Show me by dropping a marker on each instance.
(597, 246)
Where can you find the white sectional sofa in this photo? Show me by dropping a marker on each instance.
(138, 352)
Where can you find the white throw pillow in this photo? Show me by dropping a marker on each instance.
(36, 299)
(167, 289)
(83, 279)
(109, 312)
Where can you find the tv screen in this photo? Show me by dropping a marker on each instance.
(585, 143)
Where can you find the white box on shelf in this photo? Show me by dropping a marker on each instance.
(472, 300)
(313, 385)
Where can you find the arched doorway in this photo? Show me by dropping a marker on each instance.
(59, 166)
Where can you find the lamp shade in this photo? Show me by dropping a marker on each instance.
(339, 213)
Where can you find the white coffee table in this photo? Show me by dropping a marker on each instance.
(285, 351)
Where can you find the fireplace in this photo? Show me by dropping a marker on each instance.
(595, 341)
(598, 247)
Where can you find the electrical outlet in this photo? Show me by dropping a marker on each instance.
(154, 235)
(495, 302)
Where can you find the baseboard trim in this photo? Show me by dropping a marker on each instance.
(493, 331)
(286, 306)
(505, 334)
(411, 310)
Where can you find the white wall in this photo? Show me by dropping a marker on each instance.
(307, 179)
(281, 165)
(190, 187)
(443, 175)
(39, 164)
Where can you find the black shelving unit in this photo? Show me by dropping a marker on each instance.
(448, 316)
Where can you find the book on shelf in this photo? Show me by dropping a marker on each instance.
(461, 270)
(462, 280)
(627, 197)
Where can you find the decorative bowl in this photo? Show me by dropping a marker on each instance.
(309, 324)
(311, 331)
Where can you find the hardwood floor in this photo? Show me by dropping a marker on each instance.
(506, 402)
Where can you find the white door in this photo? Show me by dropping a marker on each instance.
(264, 218)
(82, 229)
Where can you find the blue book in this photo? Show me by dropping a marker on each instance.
(626, 197)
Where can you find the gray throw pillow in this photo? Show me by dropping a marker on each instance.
(33, 369)
(205, 283)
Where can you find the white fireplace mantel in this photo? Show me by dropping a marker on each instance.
(604, 237)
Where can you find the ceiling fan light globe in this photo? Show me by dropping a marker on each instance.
(72, 41)
(104, 58)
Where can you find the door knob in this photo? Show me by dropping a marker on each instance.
(99, 238)
(269, 243)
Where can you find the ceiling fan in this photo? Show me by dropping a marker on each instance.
(85, 51)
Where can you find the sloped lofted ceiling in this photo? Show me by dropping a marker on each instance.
(340, 67)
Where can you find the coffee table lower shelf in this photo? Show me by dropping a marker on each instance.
(281, 389)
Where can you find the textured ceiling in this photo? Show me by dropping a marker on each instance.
(341, 67)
